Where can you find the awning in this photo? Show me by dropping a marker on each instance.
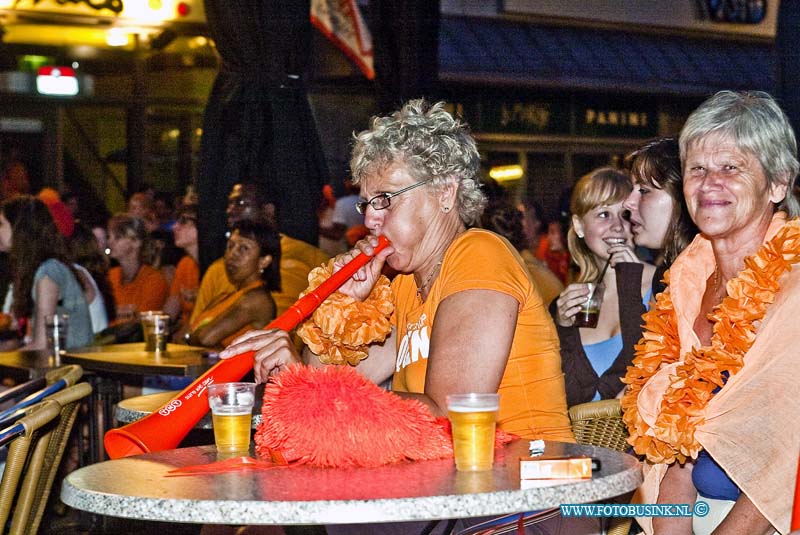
(497, 51)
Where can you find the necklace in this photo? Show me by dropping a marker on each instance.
(424, 285)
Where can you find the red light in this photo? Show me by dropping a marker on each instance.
(183, 9)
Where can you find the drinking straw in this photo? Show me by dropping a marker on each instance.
(599, 279)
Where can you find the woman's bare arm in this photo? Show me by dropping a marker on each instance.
(676, 487)
(46, 292)
(255, 308)
(744, 518)
(470, 343)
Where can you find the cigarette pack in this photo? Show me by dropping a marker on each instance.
(555, 467)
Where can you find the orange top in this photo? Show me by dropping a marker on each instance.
(148, 291)
(185, 284)
(533, 401)
(215, 308)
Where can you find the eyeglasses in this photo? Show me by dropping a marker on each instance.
(382, 201)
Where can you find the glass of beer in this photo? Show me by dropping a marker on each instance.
(590, 309)
(473, 417)
(155, 328)
(231, 413)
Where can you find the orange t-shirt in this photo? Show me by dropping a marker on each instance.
(533, 401)
(148, 291)
(185, 284)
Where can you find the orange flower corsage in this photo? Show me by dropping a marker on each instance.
(342, 328)
(703, 369)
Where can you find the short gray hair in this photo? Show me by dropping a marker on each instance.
(431, 143)
(757, 125)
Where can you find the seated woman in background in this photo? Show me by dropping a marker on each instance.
(594, 360)
(44, 280)
(506, 221)
(136, 286)
(658, 213)
(92, 265)
(183, 290)
(252, 263)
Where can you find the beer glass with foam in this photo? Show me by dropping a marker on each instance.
(231, 412)
(155, 328)
(473, 417)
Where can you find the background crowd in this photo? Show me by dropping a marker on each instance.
(466, 253)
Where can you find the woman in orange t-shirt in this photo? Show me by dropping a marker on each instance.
(252, 264)
(136, 286)
(467, 316)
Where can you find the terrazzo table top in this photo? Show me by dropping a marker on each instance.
(137, 487)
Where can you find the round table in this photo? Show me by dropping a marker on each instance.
(140, 487)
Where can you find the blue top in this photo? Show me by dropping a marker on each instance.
(601, 355)
(711, 481)
(709, 478)
(71, 301)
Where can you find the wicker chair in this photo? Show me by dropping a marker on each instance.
(42, 414)
(599, 423)
(35, 456)
(45, 460)
(69, 373)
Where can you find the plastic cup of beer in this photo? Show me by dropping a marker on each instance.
(155, 327)
(231, 413)
(590, 309)
(472, 418)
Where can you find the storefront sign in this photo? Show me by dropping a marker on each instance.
(543, 116)
(144, 12)
(115, 6)
(610, 120)
(737, 11)
(555, 116)
(58, 81)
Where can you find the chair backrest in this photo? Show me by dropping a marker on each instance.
(599, 423)
(70, 373)
(22, 390)
(43, 414)
(56, 379)
(45, 460)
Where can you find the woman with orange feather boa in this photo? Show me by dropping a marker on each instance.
(709, 400)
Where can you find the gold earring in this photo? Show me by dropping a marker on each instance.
(445, 209)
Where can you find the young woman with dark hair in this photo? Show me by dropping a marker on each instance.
(44, 280)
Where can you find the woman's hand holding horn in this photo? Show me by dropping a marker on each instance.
(361, 283)
(274, 351)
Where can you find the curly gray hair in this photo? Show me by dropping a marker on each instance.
(432, 144)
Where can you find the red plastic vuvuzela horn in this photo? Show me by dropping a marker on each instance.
(165, 428)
